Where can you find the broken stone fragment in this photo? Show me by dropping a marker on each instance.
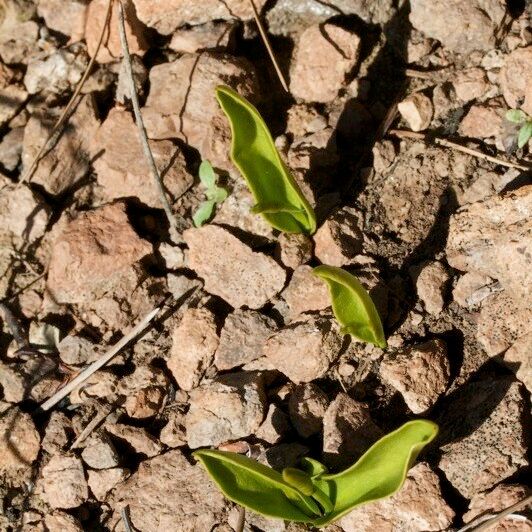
(487, 441)
(417, 111)
(295, 249)
(431, 281)
(11, 148)
(418, 506)
(348, 431)
(218, 34)
(325, 54)
(69, 161)
(191, 500)
(194, 342)
(472, 288)
(303, 351)
(188, 110)
(65, 16)
(242, 338)
(99, 452)
(231, 407)
(103, 481)
(57, 434)
(339, 239)
(18, 33)
(470, 84)
(514, 79)
(460, 26)
(491, 238)
(483, 120)
(19, 445)
(420, 373)
(307, 405)
(173, 433)
(12, 99)
(306, 292)
(136, 438)
(274, 427)
(121, 167)
(518, 359)
(64, 482)
(239, 275)
(111, 49)
(76, 350)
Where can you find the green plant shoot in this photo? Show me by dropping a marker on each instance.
(278, 197)
(313, 495)
(352, 305)
(214, 193)
(517, 116)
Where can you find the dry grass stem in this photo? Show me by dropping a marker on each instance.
(54, 135)
(138, 119)
(448, 144)
(268, 45)
(93, 424)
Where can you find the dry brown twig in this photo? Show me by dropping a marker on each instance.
(268, 46)
(54, 135)
(401, 133)
(138, 119)
(92, 424)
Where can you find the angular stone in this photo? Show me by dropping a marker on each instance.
(137, 438)
(324, 55)
(306, 292)
(303, 351)
(58, 433)
(229, 408)
(487, 441)
(418, 506)
(76, 350)
(12, 98)
(61, 522)
(473, 287)
(207, 36)
(195, 503)
(339, 239)
(348, 431)
(420, 373)
(295, 249)
(431, 281)
(188, 109)
(307, 405)
(19, 444)
(167, 16)
(99, 452)
(501, 322)
(483, 120)
(111, 49)
(69, 161)
(102, 482)
(417, 111)
(65, 16)
(64, 482)
(494, 237)
(18, 33)
(460, 26)
(496, 500)
(239, 275)
(173, 433)
(194, 342)
(11, 148)
(518, 359)
(274, 427)
(122, 169)
(470, 84)
(242, 338)
(515, 80)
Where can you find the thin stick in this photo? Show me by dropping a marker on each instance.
(65, 115)
(484, 524)
(124, 512)
(138, 119)
(96, 365)
(448, 144)
(93, 423)
(268, 45)
(241, 521)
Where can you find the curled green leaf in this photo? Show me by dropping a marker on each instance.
(206, 174)
(352, 305)
(203, 213)
(524, 134)
(257, 487)
(379, 473)
(516, 116)
(278, 197)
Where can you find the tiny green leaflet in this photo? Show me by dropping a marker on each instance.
(214, 193)
(278, 197)
(352, 305)
(312, 495)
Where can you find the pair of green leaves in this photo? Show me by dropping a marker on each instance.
(311, 495)
(278, 197)
(214, 193)
(517, 116)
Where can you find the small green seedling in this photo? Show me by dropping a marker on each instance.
(519, 117)
(214, 193)
(352, 305)
(311, 495)
(278, 198)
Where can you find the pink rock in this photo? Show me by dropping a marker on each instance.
(325, 54)
(64, 482)
(516, 79)
(417, 110)
(483, 120)
(307, 405)
(66, 17)
(306, 292)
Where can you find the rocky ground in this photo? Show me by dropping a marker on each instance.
(253, 361)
